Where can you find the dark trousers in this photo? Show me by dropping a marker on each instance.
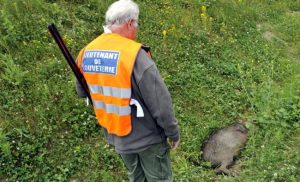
(151, 165)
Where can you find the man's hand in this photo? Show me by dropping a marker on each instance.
(175, 144)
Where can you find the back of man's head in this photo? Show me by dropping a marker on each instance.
(121, 12)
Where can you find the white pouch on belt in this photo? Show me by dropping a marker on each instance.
(139, 112)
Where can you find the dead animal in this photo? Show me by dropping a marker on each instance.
(223, 145)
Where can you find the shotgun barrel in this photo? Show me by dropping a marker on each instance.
(79, 76)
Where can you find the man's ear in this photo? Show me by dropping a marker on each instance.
(130, 24)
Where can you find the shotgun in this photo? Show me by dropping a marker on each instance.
(79, 76)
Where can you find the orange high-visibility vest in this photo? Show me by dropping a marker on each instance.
(107, 64)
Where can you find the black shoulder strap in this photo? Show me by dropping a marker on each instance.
(147, 49)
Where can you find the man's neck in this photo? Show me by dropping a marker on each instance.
(121, 30)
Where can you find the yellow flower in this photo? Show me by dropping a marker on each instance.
(211, 19)
(203, 8)
(202, 15)
(164, 33)
(172, 28)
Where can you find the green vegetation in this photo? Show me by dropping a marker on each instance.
(221, 59)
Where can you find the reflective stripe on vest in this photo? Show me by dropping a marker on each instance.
(111, 108)
(110, 91)
(107, 64)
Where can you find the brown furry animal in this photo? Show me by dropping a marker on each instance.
(223, 145)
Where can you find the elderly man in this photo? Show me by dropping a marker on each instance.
(130, 99)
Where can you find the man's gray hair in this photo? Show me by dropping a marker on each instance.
(121, 12)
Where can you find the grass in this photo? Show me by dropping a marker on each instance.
(213, 56)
